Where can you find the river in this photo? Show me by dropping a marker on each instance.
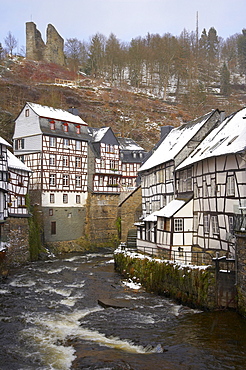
(50, 319)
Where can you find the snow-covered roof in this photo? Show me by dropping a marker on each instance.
(171, 208)
(152, 217)
(98, 133)
(174, 142)
(4, 142)
(168, 211)
(127, 143)
(228, 137)
(59, 114)
(15, 163)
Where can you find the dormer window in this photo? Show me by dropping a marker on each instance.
(134, 154)
(65, 127)
(78, 129)
(52, 125)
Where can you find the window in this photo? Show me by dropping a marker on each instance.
(52, 198)
(66, 143)
(52, 125)
(113, 165)
(50, 212)
(52, 179)
(77, 162)
(77, 199)
(205, 224)
(53, 227)
(195, 222)
(100, 180)
(185, 180)
(178, 224)
(78, 181)
(52, 160)
(65, 127)
(27, 112)
(65, 161)
(230, 186)
(52, 142)
(19, 144)
(65, 198)
(231, 224)
(214, 224)
(78, 129)
(65, 179)
(78, 145)
(213, 188)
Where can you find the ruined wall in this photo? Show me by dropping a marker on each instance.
(129, 212)
(101, 217)
(36, 49)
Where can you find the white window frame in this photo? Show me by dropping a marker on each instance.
(178, 225)
(215, 225)
(65, 180)
(52, 142)
(205, 224)
(230, 185)
(78, 181)
(52, 179)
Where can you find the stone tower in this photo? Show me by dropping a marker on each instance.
(34, 43)
(36, 49)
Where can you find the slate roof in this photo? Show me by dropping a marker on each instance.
(174, 142)
(229, 137)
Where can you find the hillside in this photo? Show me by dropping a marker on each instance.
(130, 112)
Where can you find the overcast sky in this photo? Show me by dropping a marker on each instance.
(127, 19)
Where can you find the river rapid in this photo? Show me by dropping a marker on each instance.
(50, 319)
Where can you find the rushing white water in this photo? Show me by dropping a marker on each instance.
(51, 320)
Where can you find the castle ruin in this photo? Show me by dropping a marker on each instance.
(36, 49)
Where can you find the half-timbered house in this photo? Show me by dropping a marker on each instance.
(159, 187)
(104, 161)
(3, 183)
(215, 174)
(54, 144)
(132, 156)
(18, 186)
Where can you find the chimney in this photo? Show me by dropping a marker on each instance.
(222, 116)
(165, 131)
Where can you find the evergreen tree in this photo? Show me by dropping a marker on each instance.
(95, 64)
(225, 88)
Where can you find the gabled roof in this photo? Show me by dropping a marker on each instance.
(98, 133)
(127, 143)
(228, 137)
(53, 113)
(174, 142)
(15, 163)
(4, 142)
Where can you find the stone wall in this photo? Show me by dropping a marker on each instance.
(36, 49)
(16, 234)
(101, 217)
(241, 272)
(129, 211)
(191, 286)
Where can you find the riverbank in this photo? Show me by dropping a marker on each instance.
(194, 286)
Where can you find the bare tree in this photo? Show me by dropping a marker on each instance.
(10, 42)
